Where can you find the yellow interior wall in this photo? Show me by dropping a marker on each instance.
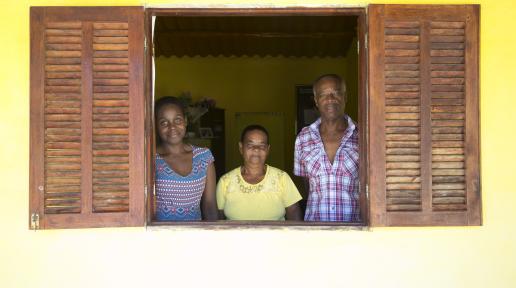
(251, 84)
(190, 257)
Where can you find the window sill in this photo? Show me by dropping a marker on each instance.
(258, 225)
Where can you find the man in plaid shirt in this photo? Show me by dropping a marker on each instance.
(326, 153)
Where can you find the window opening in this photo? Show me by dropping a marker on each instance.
(237, 70)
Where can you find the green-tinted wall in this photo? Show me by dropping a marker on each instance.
(253, 84)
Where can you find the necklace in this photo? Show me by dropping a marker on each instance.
(246, 187)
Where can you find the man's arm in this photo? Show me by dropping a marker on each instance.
(293, 212)
(305, 190)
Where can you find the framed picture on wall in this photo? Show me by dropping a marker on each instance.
(205, 132)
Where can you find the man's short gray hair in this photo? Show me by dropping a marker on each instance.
(335, 77)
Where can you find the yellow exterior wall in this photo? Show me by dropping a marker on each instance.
(383, 257)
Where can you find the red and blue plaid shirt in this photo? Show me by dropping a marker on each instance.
(333, 187)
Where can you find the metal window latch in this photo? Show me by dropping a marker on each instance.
(34, 221)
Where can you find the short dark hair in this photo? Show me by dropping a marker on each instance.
(334, 77)
(253, 127)
(168, 100)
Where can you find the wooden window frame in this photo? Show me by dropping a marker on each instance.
(369, 109)
(360, 13)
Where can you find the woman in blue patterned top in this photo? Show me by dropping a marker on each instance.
(185, 174)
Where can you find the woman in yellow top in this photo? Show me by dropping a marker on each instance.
(255, 190)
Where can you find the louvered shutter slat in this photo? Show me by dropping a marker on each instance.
(403, 181)
(62, 122)
(448, 184)
(90, 172)
(424, 92)
(110, 189)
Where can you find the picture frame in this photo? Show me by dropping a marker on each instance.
(205, 132)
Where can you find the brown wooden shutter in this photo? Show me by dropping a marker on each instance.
(87, 117)
(424, 115)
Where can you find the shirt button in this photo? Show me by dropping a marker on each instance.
(332, 208)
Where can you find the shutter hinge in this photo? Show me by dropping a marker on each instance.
(367, 191)
(145, 44)
(146, 190)
(365, 40)
(34, 221)
(358, 47)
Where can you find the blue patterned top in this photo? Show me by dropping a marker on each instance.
(178, 197)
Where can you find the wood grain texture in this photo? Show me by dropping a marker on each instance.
(89, 172)
(377, 123)
(425, 92)
(62, 125)
(401, 84)
(444, 114)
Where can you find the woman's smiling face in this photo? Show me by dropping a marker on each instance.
(171, 124)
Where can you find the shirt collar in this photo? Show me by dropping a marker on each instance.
(314, 127)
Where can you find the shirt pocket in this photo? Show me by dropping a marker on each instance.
(349, 162)
(312, 161)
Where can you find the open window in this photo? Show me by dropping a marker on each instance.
(254, 66)
(91, 149)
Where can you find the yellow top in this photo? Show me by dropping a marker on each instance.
(265, 200)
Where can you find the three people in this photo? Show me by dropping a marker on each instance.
(326, 155)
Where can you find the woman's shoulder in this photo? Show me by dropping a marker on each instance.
(201, 151)
(231, 173)
(276, 171)
(159, 151)
(159, 157)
